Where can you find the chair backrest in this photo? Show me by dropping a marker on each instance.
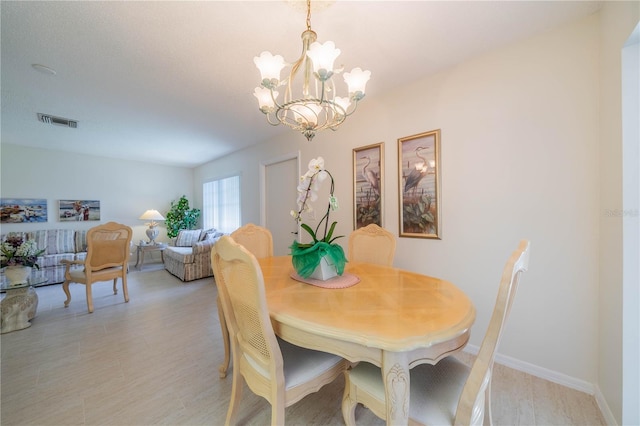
(471, 408)
(256, 239)
(241, 285)
(372, 244)
(108, 246)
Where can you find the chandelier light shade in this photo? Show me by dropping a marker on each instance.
(314, 105)
(152, 231)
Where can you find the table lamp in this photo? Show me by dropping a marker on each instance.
(152, 231)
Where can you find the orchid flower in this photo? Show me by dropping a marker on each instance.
(308, 186)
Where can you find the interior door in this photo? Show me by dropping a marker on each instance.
(280, 181)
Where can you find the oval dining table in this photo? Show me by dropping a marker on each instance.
(392, 318)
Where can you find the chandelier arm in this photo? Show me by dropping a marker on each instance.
(308, 37)
(282, 115)
(307, 71)
(334, 125)
(321, 91)
(355, 106)
(294, 71)
(332, 89)
(275, 100)
(276, 123)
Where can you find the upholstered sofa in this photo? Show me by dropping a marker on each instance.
(190, 257)
(58, 244)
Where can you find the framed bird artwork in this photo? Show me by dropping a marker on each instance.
(368, 181)
(419, 185)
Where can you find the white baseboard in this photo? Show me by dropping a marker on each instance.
(555, 377)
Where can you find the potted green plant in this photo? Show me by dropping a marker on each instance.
(180, 216)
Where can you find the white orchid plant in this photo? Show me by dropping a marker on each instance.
(307, 256)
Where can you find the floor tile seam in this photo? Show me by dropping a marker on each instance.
(46, 365)
(84, 410)
(529, 381)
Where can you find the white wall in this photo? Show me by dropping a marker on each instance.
(125, 189)
(520, 160)
(618, 19)
(631, 229)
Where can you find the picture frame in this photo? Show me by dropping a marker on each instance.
(78, 210)
(368, 185)
(23, 210)
(420, 197)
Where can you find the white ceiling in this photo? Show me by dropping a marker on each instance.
(171, 82)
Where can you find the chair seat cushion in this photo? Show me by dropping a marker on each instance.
(301, 364)
(435, 389)
(181, 254)
(78, 274)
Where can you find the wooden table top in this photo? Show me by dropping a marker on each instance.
(390, 309)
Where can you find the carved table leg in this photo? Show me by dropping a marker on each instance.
(395, 373)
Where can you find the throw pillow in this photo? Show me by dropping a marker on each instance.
(213, 236)
(60, 241)
(81, 241)
(203, 234)
(208, 234)
(186, 238)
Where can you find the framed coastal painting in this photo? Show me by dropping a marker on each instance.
(23, 210)
(419, 185)
(78, 210)
(368, 182)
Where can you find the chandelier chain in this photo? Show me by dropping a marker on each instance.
(308, 14)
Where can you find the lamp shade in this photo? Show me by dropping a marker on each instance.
(269, 66)
(151, 215)
(323, 56)
(357, 80)
(265, 99)
(152, 231)
(306, 113)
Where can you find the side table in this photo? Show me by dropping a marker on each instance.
(20, 303)
(141, 249)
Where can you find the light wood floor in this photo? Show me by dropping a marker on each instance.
(154, 361)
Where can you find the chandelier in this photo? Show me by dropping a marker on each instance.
(315, 106)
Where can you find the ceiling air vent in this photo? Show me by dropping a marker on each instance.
(50, 119)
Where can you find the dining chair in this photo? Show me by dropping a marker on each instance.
(372, 244)
(256, 239)
(449, 392)
(108, 248)
(259, 241)
(278, 371)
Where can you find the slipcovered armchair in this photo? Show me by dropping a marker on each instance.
(108, 248)
(190, 258)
